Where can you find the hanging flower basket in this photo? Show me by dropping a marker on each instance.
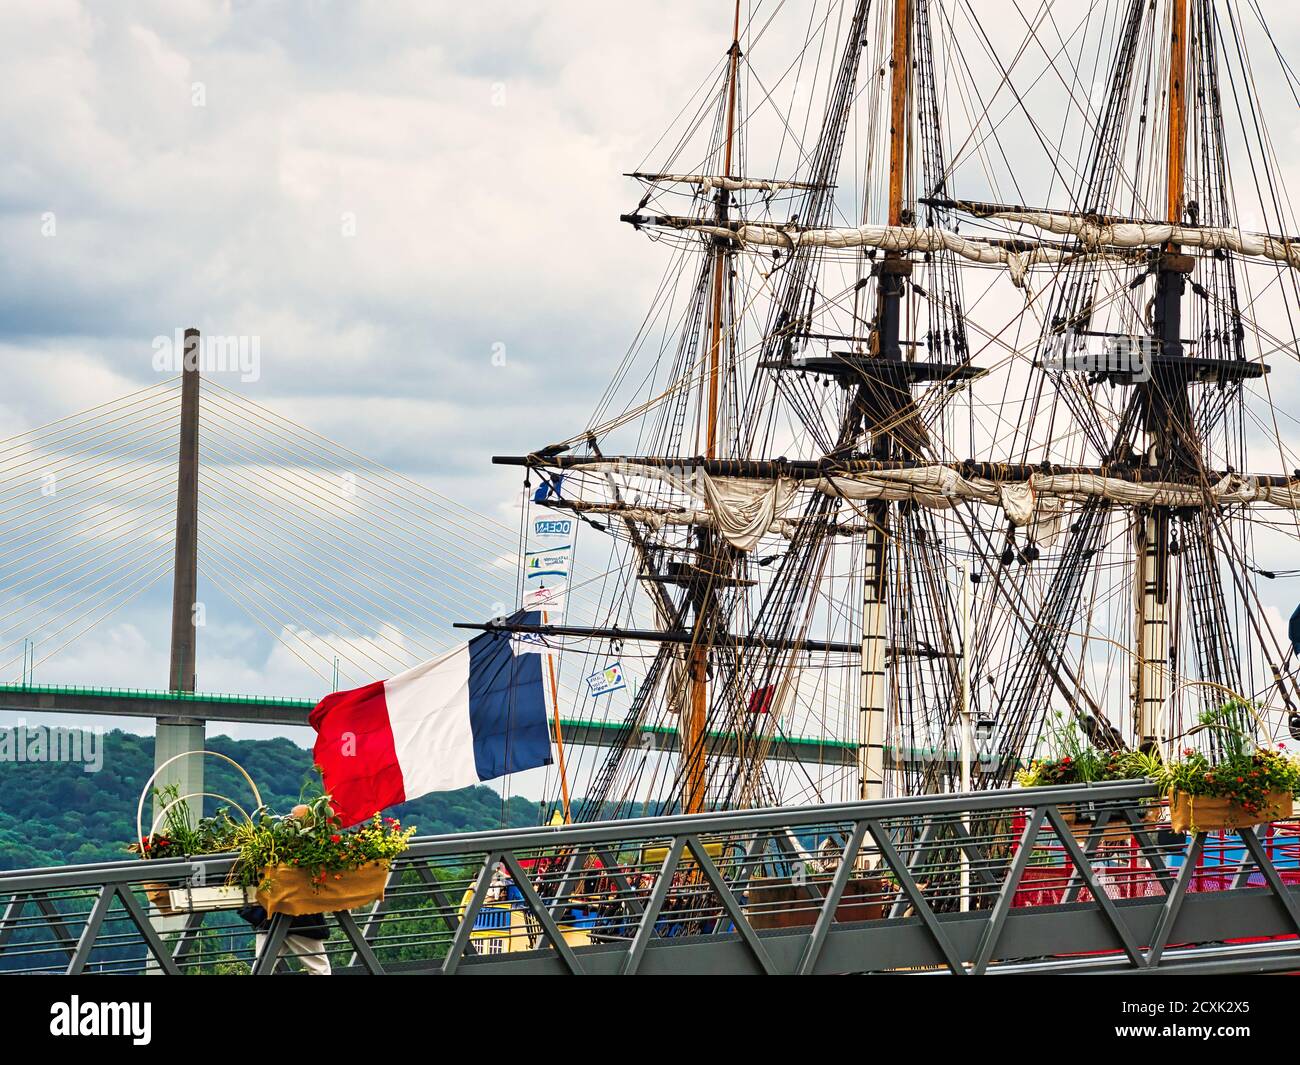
(297, 891)
(1206, 813)
(308, 862)
(302, 862)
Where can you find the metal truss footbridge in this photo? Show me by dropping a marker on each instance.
(1079, 879)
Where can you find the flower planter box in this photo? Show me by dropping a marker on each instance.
(170, 901)
(1117, 828)
(1201, 813)
(289, 889)
(782, 903)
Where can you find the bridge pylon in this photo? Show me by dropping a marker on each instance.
(176, 735)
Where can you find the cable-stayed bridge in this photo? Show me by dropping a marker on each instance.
(189, 493)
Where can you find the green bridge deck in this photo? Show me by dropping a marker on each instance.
(270, 710)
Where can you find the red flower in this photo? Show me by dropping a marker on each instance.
(336, 838)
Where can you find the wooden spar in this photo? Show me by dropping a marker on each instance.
(720, 267)
(814, 469)
(901, 65)
(730, 641)
(697, 708)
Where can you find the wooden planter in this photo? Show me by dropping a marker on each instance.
(1117, 828)
(170, 901)
(1200, 813)
(781, 903)
(289, 889)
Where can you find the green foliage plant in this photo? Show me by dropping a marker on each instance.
(1074, 760)
(180, 835)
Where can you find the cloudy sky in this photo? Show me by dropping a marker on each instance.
(411, 205)
(381, 192)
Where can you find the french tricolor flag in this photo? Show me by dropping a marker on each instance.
(472, 714)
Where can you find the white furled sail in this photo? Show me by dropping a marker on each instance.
(741, 509)
(1018, 260)
(707, 183)
(1100, 234)
(744, 509)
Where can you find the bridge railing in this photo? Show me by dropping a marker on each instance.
(1047, 878)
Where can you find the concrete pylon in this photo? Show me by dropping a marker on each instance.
(176, 734)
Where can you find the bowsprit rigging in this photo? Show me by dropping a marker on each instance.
(871, 378)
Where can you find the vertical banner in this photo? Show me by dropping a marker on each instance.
(547, 564)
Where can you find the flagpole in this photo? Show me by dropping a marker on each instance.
(559, 733)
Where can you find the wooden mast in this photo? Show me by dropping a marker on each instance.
(565, 805)
(873, 711)
(1163, 414)
(697, 705)
(1177, 146)
(720, 268)
(902, 63)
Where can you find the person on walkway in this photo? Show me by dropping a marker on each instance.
(306, 938)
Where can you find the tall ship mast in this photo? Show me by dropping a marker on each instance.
(830, 493)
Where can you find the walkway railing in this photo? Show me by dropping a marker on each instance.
(1046, 879)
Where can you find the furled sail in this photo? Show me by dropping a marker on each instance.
(1102, 233)
(1038, 501)
(1018, 257)
(743, 509)
(706, 183)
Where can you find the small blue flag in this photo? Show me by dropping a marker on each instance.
(548, 488)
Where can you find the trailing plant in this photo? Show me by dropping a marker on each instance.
(1237, 769)
(180, 835)
(311, 837)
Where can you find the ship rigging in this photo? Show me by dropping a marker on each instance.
(832, 441)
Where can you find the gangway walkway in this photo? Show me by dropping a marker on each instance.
(1065, 879)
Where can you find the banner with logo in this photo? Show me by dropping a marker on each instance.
(548, 530)
(547, 564)
(549, 598)
(609, 679)
(551, 563)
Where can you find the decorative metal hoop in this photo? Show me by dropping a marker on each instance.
(144, 792)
